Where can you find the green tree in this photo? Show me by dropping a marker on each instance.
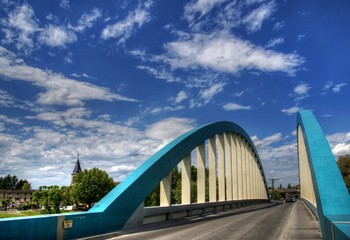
(289, 186)
(91, 185)
(26, 186)
(50, 197)
(5, 202)
(344, 167)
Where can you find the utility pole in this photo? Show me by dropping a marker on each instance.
(273, 180)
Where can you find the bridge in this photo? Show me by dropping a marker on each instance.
(237, 185)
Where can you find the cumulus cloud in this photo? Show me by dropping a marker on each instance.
(339, 143)
(56, 36)
(60, 90)
(226, 53)
(20, 27)
(234, 106)
(123, 29)
(169, 128)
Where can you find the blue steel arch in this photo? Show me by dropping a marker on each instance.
(144, 179)
(332, 196)
(113, 211)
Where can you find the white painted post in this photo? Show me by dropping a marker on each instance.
(212, 169)
(244, 169)
(165, 191)
(234, 151)
(201, 173)
(228, 166)
(186, 180)
(221, 167)
(239, 168)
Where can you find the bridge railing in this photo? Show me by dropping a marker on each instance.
(321, 184)
(234, 166)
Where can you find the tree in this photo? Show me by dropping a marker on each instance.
(12, 182)
(92, 185)
(344, 167)
(49, 197)
(5, 202)
(289, 186)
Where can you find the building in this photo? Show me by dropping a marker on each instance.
(76, 170)
(18, 196)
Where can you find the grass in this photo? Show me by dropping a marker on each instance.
(19, 214)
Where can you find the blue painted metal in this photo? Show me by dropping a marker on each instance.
(332, 197)
(113, 211)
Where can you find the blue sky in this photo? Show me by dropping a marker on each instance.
(116, 80)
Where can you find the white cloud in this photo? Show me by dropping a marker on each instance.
(65, 4)
(123, 29)
(226, 53)
(208, 94)
(84, 75)
(60, 90)
(168, 129)
(291, 110)
(274, 42)
(160, 73)
(254, 19)
(339, 143)
(301, 91)
(331, 87)
(123, 168)
(234, 106)
(56, 36)
(279, 157)
(87, 20)
(180, 97)
(200, 6)
(20, 27)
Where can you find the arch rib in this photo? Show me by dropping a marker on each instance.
(323, 184)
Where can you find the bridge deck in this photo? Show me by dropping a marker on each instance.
(302, 224)
(265, 221)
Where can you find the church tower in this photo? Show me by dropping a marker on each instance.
(77, 169)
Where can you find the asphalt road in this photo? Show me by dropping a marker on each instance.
(264, 221)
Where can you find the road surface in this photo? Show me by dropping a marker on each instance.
(263, 221)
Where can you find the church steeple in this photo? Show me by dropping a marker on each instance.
(76, 170)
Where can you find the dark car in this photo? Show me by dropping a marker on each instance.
(290, 199)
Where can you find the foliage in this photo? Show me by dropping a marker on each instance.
(50, 197)
(27, 206)
(12, 182)
(5, 202)
(276, 195)
(344, 167)
(91, 186)
(153, 198)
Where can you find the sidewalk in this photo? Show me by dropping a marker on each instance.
(302, 225)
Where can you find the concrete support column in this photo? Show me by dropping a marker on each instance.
(165, 191)
(255, 178)
(252, 163)
(249, 173)
(212, 169)
(244, 169)
(239, 168)
(186, 180)
(234, 167)
(306, 184)
(201, 173)
(228, 166)
(221, 166)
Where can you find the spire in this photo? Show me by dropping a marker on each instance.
(77, 168)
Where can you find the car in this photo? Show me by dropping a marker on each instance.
(290, 199)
